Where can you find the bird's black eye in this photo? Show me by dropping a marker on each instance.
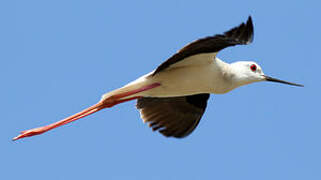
(253, 67)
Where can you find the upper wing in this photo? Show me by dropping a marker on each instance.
(242, 34)
(173, 116)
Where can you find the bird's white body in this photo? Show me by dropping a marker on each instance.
(203, 73)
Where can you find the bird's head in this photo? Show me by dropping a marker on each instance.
(246, 72)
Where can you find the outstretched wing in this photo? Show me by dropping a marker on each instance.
(173, 116)
(242, 34)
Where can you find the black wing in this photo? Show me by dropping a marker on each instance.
(242, 34)
(173, 116)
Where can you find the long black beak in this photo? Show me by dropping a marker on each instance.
(268, 78)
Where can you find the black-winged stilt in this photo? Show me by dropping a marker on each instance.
(173, 98)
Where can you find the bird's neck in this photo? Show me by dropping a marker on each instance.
(222, 77)
(231, 75)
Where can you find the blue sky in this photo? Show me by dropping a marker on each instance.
(59, 57)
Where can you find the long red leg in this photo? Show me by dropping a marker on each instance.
(107, 103)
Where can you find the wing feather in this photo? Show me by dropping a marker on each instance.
(173, 116)
(242, 34)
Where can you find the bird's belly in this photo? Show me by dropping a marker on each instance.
(181, 81)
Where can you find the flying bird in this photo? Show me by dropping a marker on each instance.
(173, 97)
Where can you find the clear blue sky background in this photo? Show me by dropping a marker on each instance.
(58, 57)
